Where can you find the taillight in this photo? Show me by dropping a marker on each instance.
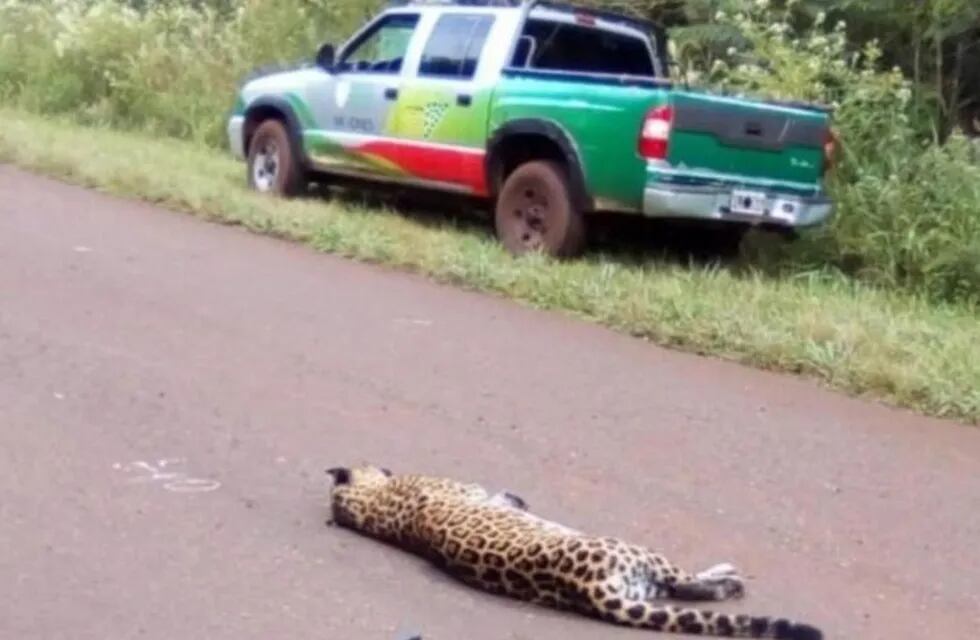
(830, 150)
(655, 135)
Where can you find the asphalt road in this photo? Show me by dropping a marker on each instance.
(171, 392)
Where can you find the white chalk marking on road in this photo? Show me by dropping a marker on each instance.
(192, 485)
(83, 249)
(421, 322)
(174, 481)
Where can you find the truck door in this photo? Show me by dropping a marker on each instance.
(443, 107)
(357, 110)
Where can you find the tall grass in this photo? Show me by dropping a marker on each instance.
(852, 337)
(909, 216)
(171, 69)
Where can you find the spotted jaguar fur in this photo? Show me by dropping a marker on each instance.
(493, 542)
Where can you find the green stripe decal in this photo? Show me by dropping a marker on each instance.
(702, 177)
(302, 110)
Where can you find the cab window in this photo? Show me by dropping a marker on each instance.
(381, 49)
(558, 46)
(453, 50)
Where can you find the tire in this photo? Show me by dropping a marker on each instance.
(970, 121)
(536, 211)
(726, 242)
(273, 164)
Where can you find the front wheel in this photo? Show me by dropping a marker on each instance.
(536, 211)
(273, 166)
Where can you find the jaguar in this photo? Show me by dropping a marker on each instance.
(494, 542)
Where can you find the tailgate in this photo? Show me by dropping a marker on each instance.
(748, 140)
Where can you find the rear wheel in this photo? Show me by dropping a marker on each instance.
(536, 212)
(726, 241)
(970, 121)
(273, 165)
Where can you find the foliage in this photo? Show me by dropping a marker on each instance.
(909, 209)
(171, 69)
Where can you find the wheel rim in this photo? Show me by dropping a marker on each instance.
(265, 167)
(530, 211)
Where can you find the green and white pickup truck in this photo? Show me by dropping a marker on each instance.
(547, 111)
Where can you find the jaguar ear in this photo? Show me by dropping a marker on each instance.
(387, 472)
(340, 475)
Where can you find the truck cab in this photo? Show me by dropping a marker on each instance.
(548, 111)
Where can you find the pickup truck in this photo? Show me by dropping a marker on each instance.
(548, 112)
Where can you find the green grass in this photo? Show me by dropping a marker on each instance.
(886, 345)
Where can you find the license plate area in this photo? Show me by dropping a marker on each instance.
(748, 203)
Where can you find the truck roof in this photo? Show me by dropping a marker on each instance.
(612, 17)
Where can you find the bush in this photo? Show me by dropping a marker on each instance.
(171, 69)
(909, 208)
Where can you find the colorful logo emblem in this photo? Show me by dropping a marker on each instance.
(342, 93)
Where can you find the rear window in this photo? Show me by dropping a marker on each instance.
(558, 46)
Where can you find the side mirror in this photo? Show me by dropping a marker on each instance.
(325, 57)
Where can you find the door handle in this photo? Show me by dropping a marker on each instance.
(464, 100)
(391, 93)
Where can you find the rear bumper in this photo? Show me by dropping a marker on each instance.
(703, 202)
(236, 140)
